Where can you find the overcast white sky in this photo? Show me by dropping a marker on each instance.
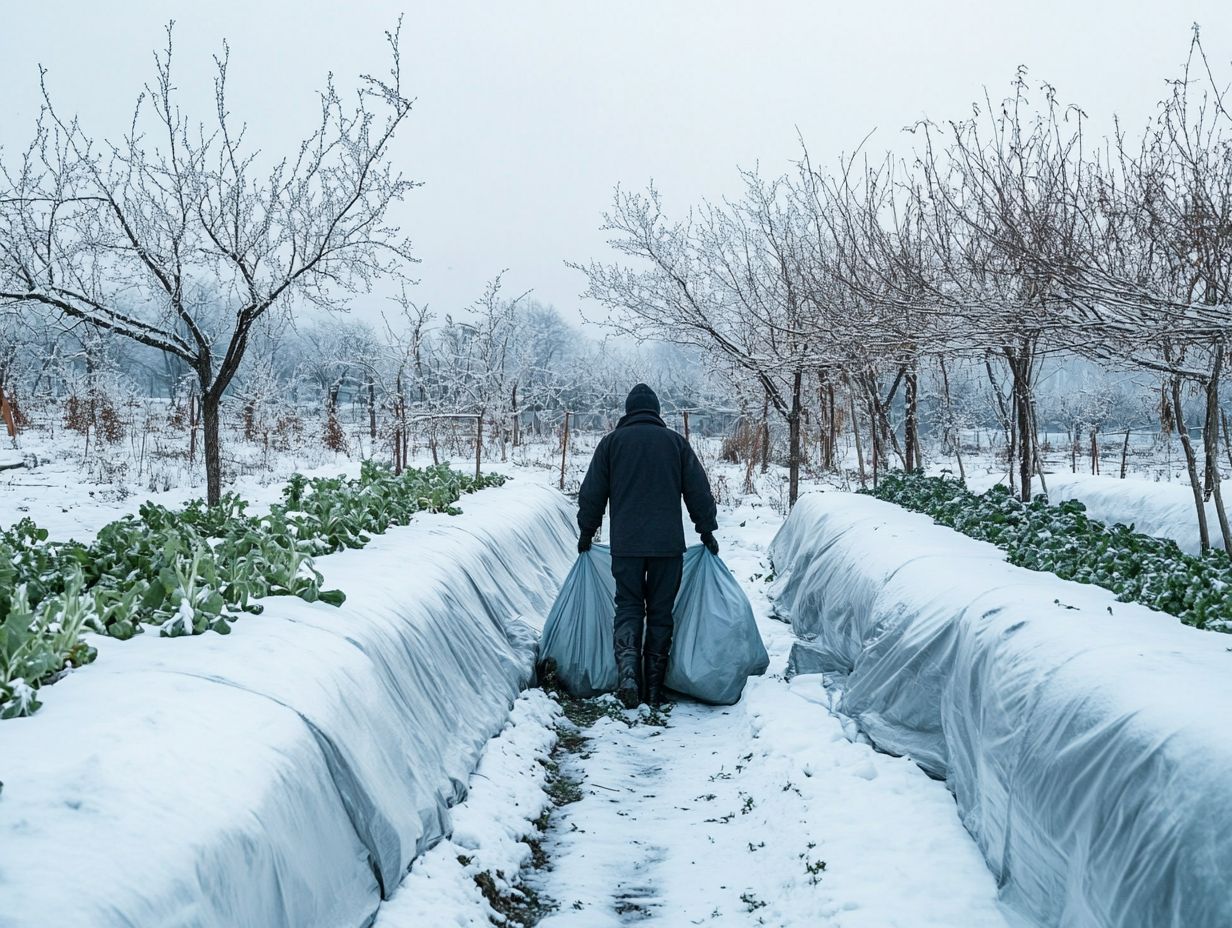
(530, 112)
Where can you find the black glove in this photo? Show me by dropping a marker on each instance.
(584, 543)
(711, 543)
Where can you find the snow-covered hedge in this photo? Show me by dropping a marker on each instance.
(1086, 740)
(287, 774)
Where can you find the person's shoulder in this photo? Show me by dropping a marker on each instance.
(680, 441)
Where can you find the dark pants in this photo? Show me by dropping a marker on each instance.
(645, 591)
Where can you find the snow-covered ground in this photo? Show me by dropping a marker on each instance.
(764, 813)
(775, 811)
(66, 496)
(769, 812)
(505, 798)
(71, 502)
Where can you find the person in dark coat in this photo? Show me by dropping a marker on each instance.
(641, 469)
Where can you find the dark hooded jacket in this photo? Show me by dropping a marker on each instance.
(643, 468)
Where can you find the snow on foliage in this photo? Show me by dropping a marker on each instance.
(195, 570)
(1062, 539)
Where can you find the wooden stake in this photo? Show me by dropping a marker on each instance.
(517, 423)
(686, 425)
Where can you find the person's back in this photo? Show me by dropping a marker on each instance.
(643, 469)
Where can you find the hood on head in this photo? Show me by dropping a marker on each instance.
(641, 399)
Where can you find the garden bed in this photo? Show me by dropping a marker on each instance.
(1164, 510)
(1085, 739)
(287, 774)
(1063, 540)
(189, 571)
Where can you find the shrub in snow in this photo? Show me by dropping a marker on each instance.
(1064, 540)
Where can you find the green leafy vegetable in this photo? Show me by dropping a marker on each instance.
(191, 571)
(1062, 539)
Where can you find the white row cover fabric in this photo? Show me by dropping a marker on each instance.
(1165, 510)
(1086, 741)
(286, 775)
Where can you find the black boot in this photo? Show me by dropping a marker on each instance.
(627, 684)
(656, 670)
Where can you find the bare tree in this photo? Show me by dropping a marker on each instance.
(182, 240)
(732, 281)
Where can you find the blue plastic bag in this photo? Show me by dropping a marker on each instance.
(715, 646)
(578, 631)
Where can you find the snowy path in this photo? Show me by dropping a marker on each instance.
(764, 813)
(759, 814)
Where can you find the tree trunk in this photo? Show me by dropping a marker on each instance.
(517, 425)
(875, 451)
(911, 428)
(400, 424)
(1026, 440)
(1019, 361)
(793, 430)
(855, 430)
(1191, 463)
(831, 427)
(211, 404)
(1210, 437)
(952, 423)
(765, 435)
(822, 427)
(371, 408)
